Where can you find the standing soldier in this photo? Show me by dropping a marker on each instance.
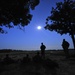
(42, 47)
(65, 46)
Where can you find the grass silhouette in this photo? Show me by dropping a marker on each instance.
(66, 66)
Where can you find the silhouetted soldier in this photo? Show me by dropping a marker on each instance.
(26, 60)
(37, 58)
(25, 63)
(37, 61)
(65, 46)
(42, 47)
(8, 60)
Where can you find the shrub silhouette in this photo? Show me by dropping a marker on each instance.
(8, 60)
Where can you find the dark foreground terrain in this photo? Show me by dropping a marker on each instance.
(66, 66)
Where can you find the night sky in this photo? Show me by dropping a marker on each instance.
(30, 37)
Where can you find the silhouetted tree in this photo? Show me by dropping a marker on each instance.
(17, 12)
(63, 19)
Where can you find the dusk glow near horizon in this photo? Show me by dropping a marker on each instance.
(32, 35)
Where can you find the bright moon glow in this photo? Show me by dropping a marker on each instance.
(39, 27)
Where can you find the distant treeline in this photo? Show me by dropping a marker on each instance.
(8, 50)
(11, 50)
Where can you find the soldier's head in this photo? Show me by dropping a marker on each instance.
(63, 39)
(42, 43)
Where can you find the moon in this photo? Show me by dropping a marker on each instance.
(39, 27)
